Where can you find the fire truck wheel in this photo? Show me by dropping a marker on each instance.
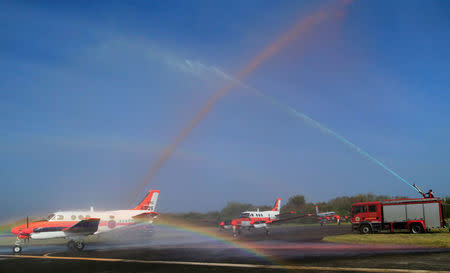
(416, 228)
(365, 229)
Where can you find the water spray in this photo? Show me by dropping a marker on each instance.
(302, 26)
(290, 110)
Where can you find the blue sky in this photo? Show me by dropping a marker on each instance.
(91, 93)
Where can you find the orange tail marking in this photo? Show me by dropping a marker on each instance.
(144, 205)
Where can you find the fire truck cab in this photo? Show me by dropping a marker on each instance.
(416, 215)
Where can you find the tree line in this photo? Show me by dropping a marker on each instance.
(297, 203)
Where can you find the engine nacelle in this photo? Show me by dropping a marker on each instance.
(48, 235)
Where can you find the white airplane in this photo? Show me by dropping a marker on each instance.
(256, 219)
(324, 214)
(327, 217)
(77, 225)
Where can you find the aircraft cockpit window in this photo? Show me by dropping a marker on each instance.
(60, 217)
(50, 216)
(245, 215)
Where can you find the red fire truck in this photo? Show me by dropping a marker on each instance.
(416, 215)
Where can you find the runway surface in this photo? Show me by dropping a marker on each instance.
(288, 248)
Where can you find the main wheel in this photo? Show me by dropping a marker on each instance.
(79, 246)
(17, 249)
(416, 228)
(365, 229)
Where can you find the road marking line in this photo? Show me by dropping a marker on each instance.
(262, 266)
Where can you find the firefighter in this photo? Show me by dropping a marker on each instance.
(430, 194)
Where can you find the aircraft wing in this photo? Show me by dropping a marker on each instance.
(287, 219)
(84, 227)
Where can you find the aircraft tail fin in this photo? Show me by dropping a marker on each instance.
(149, 202)
(277, 205)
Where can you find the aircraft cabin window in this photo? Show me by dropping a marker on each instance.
(80, 217)
(60, 217)
(73, 217)
(111, 217)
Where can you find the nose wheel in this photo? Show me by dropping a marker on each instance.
(17, 249)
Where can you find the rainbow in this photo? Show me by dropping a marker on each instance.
(302, 26)
(207, 232)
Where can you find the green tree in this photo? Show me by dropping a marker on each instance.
(447, 207)
(295, 203)
(233, 210)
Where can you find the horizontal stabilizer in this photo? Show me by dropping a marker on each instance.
(146, 215)
(85, 227)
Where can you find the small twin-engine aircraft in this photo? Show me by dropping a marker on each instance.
(77, 225)
(256, 219)
(328, 216)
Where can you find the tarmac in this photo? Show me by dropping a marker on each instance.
(288, 248)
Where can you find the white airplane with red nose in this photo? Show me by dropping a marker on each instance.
(77, 225)
(256, 219)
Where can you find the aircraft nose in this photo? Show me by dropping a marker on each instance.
(15, 230)
(18, 229)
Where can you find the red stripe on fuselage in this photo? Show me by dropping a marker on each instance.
(64, 224)
(238, 221)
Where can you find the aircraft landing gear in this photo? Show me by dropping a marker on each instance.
(17, 249)
(75, 245)
(236, 231)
